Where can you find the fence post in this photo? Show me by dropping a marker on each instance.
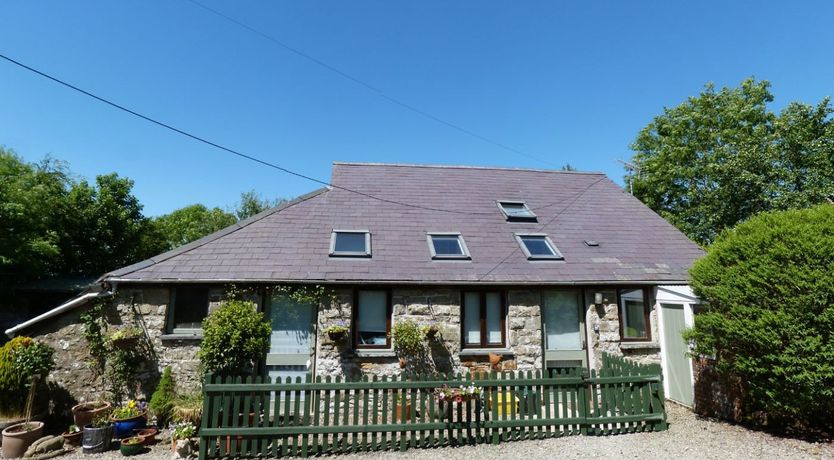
(660, 399)
(584, 408)
(204, 444)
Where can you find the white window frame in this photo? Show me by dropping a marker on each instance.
(555, 256)
(513, 218)
(365, 253)
(461, 242)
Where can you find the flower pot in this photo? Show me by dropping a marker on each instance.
(123, 427)
(72, 439)
(17, 438)
(96, 440)
(494, 359)
(403, 413)
(125, 343)
(148, 435)
(131, 446)
(84, 413)
(336, 336)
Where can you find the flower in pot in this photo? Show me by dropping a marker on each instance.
(182, 431)
(132, 446)
(18, 437)
(337, 332)
(125, 337)
(72, 437)
(129, 417)
(84, 413)
(97, 435)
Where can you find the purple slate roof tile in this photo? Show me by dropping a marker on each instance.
(291, 242)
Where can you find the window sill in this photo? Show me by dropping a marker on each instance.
(485, 351)
(638, 345)
(366, 353)
(196, 337)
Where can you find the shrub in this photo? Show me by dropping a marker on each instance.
(20, 359)
(769, 316)
(235, 336)
(408, 338)
(163, 397)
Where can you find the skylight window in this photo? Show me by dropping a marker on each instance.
(350, 243)
(538, 246)
(516, 211)
(447, 245)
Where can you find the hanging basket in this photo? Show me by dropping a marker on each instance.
(125, 343)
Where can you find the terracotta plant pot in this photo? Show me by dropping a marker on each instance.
(494, 359)
(403, 413)
(72, 439)
(18, 438)
(84, 413)
(148, 435)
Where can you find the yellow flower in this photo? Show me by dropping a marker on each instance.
(131, 404)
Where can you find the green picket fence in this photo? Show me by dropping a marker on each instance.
(257, 417)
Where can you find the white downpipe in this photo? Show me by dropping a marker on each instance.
(69, 305)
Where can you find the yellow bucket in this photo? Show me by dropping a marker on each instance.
(507, 404)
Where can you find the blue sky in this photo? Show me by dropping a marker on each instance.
(567, 82)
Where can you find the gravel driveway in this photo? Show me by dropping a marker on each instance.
(688, 437)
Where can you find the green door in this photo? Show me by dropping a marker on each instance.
(675, 348)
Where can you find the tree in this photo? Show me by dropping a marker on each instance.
(252, 203)
(191, 223)
(568, 167)
(768, 315)
(722, 157)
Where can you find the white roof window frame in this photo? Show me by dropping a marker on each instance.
(556, 256)
(531, 217)
(366, 253)
(461, 242)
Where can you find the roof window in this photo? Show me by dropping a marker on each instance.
(350, 243)
(538, 246)
(447, 245)
(516, 211)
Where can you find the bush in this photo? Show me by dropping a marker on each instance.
(162, 400)
(20, 359)
(235, 337)
(769, 316)
(408, 338)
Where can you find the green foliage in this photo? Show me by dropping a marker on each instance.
(191, 223)
(35, 359)
(769, 319)
(183, 430)
(235, 336)
(722, 157)
(12, 382)
(94, 322)
(188, 408)
(162, 400)
(252, 203)
(312, 294)
(408, 338)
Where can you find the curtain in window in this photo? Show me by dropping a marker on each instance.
(493, 318)
(472, 318)
(372, 317)
(633, 309)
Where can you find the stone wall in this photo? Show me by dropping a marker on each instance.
(603, 330)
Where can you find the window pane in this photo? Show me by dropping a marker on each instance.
(472, 318)
(493, 318)
(350, 242)
(372, 317)
(561, 321)
(291, 323)
(447, 245)
(537, 246)
(633, 309)
(516, 210)
(191, 307)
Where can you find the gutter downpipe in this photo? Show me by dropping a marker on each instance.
(11, 332)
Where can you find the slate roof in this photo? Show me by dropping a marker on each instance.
(291, 242)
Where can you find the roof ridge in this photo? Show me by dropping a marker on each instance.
(210, 237)
(439, 166)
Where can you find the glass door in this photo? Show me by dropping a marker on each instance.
(563, 326)
(291, 342)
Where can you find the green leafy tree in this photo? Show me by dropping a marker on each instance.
(722, 156)
(235, 337)
(191, 223)
(252, 203)
(769, 313)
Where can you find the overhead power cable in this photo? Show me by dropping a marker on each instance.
(367, 85)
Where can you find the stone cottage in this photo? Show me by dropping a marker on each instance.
(546, 269)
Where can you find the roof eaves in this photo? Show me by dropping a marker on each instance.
(437, 166)
(208, 238)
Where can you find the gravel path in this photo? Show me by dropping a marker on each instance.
(688, 437)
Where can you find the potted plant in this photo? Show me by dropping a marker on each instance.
(182, 431)
(132, 446)
(431, 330)
(402, 405)
(337, 332)
(84, 413)
(129, 417)
(17, 438)
(125, 338)
(148, 435)
(408, 340)
(72, 437)
(97, 436)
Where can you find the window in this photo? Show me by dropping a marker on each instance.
(447, 246)
(372, 319)
(484, 317)
(350, 243)
(538, 246)
(190, 307)
(516, 211)
(634, 314)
